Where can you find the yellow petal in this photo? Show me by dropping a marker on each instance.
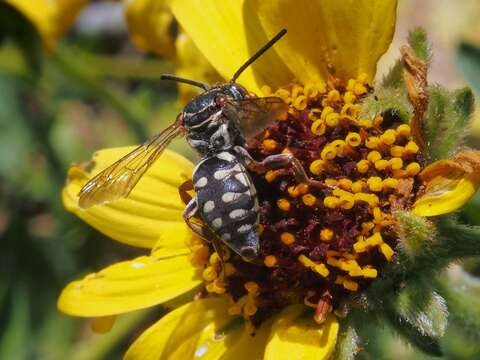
(52, 18)
(103, 324)
(329, 37)
(301, 336)
(130, 285)
(191, 64)
(150, 24)
(202, 329)
(152, 211)
(228, 36)
(450, 184)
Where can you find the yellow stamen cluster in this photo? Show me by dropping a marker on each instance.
(212, 273)
(246, 305)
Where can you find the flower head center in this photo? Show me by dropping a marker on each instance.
(320, 243)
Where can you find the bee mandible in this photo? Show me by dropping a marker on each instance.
(215, 124)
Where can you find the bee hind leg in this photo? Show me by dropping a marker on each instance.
(184, 189)
(190, 215)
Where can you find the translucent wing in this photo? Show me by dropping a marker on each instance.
(120, 178)
(255, 114)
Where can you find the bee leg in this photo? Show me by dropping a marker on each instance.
(183, 191)
(189, 215)
(277, 161)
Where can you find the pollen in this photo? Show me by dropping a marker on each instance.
(353, 139)
(269, 145)
(319, 268)
(287, 238)
(326, 234)
(317, 167)
(309, 200)
(283, 204)
(270, 261)
(271, 175)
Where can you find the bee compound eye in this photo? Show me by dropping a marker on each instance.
(249, 253)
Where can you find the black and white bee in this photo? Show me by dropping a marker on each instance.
(216, 124)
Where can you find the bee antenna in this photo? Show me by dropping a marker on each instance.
(259, 53)
(185, 81)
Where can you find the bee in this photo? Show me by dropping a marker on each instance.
(215, 124)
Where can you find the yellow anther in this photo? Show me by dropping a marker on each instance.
(388, 137)
(293, 191)
(317, 166)
(332, 119)
(403, 130)
(398, 174)
(215, 258)
(250, 309)
(350, 284)
(229, 269)
(377, 120)
(339, 279)
(397, 151)
(381, 164)
(218, 286)
(367, 226)
(286, 150)
(365, 123)
(318, 127)
(413, 168)
(302, 188)
(251, 287)
(396, 163)
(326, 234)
(412, 147)
(374, 240)
(375, 183)
(300, 102)
(338, 145)
(287, 238)
(390, 183)
(328, 153)
(331, 182)
(312, 90)
(362, 78)
(345, 184)
(331, 202)
(326, 111)
(314, 114)
(284, 95)
(353, 139)
(369, 272)
(351, 84)
(359, 89)
(334, 262)
(317, 267)
(349, 97)
(333, 95)
(377, 214)
(360, 246)
(235, 310)
(371, 199)
(283, 204)
(386, 251)
(374, 156)
(357, 186)
(309, 199)
(342, 194)
(270, 261)
(270, 175)
(269, 144)
(209, 274)
(372, 142)
(362, 166)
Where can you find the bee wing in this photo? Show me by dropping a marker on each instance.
(117, 180)
(255, 114)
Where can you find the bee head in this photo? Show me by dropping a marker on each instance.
(209, 129)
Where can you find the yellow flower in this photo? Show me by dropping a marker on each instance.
(51, 17)
(153, 28)
(319, 242)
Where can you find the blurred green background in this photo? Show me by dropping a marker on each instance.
(96, 90)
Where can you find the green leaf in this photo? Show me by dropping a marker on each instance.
(347, 343)
(468, 60)
(414, 231)
(418, 41)
(387, 99)
(16, 27)
(446, 121)
(420, 317)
